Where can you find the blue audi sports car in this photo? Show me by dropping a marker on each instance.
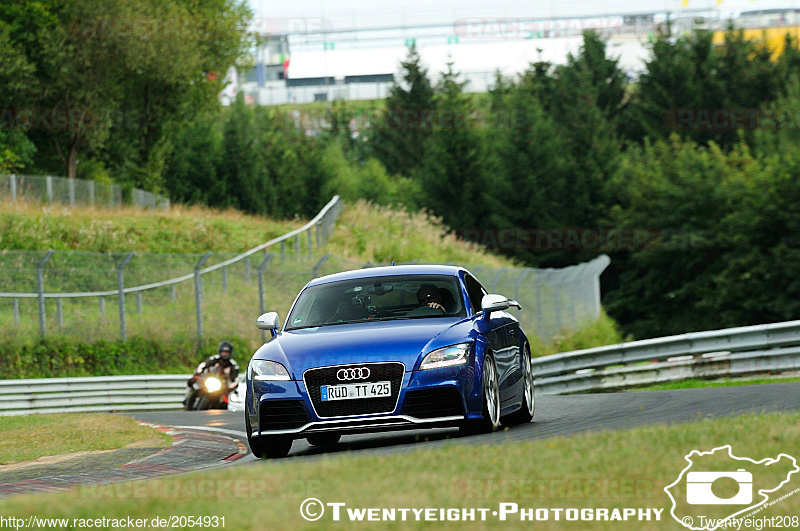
(388, 348)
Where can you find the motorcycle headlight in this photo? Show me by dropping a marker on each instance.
(447, 356)
(269, 370)
(213, 385)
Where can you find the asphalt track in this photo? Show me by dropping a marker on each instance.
(554, 416)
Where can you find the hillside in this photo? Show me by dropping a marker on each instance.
(83, 337)
(364, 232)
(181, 229)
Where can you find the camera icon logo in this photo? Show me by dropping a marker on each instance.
(698, 488)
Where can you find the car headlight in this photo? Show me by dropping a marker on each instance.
(269, 370)
(447, 356)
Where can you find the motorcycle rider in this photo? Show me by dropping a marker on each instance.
(224, 359)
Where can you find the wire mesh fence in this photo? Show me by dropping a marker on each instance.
(553, 300)
(107, 295)
(112, 295)
(73, 192)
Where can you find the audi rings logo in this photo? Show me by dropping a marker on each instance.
(356, 373)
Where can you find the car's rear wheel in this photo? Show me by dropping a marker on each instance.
(324, 439)
(525, 413)
(491, 401)
(267, 447)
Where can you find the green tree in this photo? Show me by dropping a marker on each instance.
(528, 171)
(192, 168)
(110, 80)
(72, 82)
(452, 172)
(399, 141)
(690, 74)
(674, 194)
(175, 68)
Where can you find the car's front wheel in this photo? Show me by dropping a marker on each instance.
(267, 447)
(491, 401)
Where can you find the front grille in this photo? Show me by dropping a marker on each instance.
(392, 372)
(432, 403)
(282, 415)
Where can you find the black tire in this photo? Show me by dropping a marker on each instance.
(324, 439)
(491, 400)
(526, 412)
(189, 404)
(267, 447)
(201, 404)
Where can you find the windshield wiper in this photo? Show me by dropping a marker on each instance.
(326, 324)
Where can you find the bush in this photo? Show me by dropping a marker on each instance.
(59, 357)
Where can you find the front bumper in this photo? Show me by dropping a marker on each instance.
(364, 425)
(458, 381)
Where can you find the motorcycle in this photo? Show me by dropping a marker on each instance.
(212, 388)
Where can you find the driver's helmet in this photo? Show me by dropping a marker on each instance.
(225, 350)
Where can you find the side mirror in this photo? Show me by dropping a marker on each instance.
(495, 303)
(269, 321)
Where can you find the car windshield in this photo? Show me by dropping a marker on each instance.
(377, 299)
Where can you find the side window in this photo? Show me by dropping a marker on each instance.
(475, 292)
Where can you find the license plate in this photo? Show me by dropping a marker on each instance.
(352, 391)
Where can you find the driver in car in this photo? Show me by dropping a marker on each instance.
(428, 295)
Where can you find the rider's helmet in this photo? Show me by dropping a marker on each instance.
(225, 350)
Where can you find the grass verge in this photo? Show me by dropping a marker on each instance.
(625, 469)
(380, 235)
(698, 383)
(603, 331)
(28, 437)
(28, 226)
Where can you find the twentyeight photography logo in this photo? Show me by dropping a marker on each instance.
(718, 489)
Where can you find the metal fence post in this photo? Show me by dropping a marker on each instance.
(539, 306)
(283, 250)
(121, 296)
(198, 294)
(317, 231)
(525, 273)
(71, 183)
(225, 279)
(102, 306)
(139, 302)
(49, 183)
(261, 269)
(315, 271)
(310, 244)
(557, 290)
(496, 279)
(59, 313)
(172, 292)
(91, 194)
(16, 313)
(13, 187)
(40, 288)
(247, 269)
(296, 244)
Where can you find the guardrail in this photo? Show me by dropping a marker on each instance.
(732, 352)
(104, 393)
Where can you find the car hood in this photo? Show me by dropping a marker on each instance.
(403, 340)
